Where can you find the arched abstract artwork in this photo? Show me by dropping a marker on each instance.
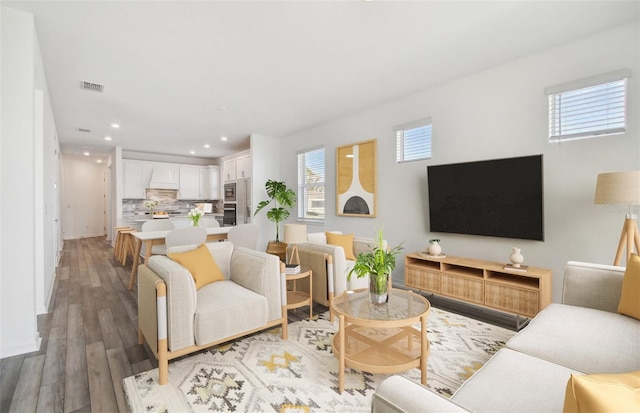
(356, 175)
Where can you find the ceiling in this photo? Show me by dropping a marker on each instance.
(179, 75)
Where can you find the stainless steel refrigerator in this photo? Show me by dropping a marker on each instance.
(244, 214)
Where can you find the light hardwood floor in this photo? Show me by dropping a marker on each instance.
(89, 339)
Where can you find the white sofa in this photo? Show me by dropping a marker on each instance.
(175, 318)
(584, 334)
(330, 266)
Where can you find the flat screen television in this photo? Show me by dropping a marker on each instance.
(498, 198)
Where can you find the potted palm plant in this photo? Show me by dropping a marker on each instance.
(283, 199)
(378, 265)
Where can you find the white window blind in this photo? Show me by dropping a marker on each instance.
(587, 108)
(413, 141)
(311, 178)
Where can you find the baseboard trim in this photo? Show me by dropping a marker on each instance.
(22, 348)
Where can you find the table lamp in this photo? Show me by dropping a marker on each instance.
(295, 234)
(622, 188)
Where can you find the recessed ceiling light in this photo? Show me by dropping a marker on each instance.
(207, 146)
(223, 138)
(107, 138)
(115, 125)
(86, 154)
(192, 152)
(99, 160)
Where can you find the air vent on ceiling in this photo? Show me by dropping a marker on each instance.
(92, 86)
(84, 130)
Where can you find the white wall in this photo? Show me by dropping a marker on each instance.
(83, 192)
(47, 173)
(500, 112)
(265, 152)
(18, 327)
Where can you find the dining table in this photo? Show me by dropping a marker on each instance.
(151, 238)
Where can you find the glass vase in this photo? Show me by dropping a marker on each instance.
(379, 288)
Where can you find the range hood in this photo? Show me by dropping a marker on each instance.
(164, 177)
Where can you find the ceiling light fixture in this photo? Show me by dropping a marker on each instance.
(86, 154)
(115, 125)
(223, 138)
(207, 146)
(107, 138)
(99, 160)
(192, 152)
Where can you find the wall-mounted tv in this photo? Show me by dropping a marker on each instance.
(498, 198)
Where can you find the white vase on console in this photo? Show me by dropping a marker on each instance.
(435, 248)
(516, 257)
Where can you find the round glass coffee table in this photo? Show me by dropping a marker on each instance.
(380, 338)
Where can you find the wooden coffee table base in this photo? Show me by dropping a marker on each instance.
(386, 347)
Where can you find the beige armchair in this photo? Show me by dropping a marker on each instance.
(330, 266)
(176, 319)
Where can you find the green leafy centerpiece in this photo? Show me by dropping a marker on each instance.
(378, 265)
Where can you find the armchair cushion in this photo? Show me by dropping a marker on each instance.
(226, 309)
(201, 265)
(342, 240)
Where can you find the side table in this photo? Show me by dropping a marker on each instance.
(296, 298)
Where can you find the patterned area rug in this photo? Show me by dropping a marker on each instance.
(263, 373)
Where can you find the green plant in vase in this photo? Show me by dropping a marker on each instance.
(378, 264)
(283, 198)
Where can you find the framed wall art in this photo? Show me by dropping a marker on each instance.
(357, 179)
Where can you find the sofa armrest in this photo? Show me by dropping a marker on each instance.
(259, 272)
(592, 285)
(398, 394)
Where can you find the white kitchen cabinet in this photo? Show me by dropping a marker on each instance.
(189, 183)
(214, 182)
(135, 174)
(199, 182)
(229, 170)
(203, 187)
(243, 167)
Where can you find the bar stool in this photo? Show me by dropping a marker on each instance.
(129, 248)
(119, 248)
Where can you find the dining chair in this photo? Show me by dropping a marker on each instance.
(158, 225)
(244, 235)
(208, 223)
(185, 236)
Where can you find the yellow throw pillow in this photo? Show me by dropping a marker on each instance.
(595, 393)
(630, 297)
(342, 240)
(201, 265)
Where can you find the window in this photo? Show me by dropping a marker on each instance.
(589, 107)
(413, 141)
(311, 184)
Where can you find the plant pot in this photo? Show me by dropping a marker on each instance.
(379, 289)
(278, 248)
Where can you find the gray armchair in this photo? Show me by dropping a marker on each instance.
(176, 319)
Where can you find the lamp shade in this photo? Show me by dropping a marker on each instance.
(295, 233)
(618, 188)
